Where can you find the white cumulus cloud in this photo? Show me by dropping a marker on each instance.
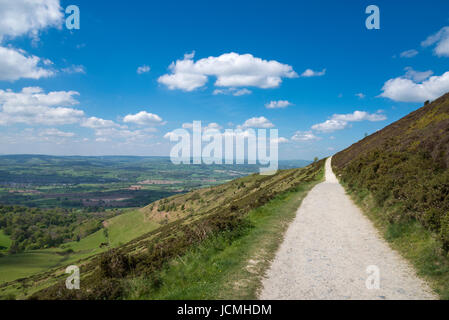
(417, 76)
(360, 116)
(53, 132)
(441, 42)
(230, 69)
(143, 69)
(280, 140)
(278, 104)
(330, 125)
(25, 17)
(409, 53)
(304, 136)
(28, 17)
(342, 121)
(143, 118)
(98, 123)
(234, 91)
(33, 106)
(74, 69)
(16, 64)
(416, 87)
(311, 73)
(258, 122)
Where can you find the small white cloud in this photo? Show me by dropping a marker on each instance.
(74, 69)
(143, 118)
(310, 73)
(17, 64)
(360, 95)
(230, 69)
(53, 132)
(408, 89)
(33, 106)
(212, 125)
(98, 123)
(170, 135)
(409, 53)
(417, 76)
(120, 134)
(258, 122)
(330, 125)
(342, 121)
(360, 116)
(441, 42)
(25, 17)
(280, 140)
(304, 136)
(234, 91)
(143, 69)
(241, 92)
(278, 104)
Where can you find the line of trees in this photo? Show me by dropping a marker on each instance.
(34, 228)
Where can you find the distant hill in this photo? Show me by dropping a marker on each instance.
(405, 167)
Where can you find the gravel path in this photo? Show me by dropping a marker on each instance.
(327, 250)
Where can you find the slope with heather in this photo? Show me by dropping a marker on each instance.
(400, 175)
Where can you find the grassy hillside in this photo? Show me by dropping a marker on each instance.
(21, 271)
(226, 222)
(400, 175)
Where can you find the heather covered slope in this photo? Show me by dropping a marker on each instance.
(400, 175)
(425, 130)
(406, 165)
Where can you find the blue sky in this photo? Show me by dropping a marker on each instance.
(88, 98)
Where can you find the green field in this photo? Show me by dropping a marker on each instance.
(121, 229)
(105, 182)
(25, 264)
(5, 241)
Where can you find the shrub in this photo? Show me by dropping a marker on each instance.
(114, 264)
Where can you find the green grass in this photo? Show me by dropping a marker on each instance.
(414, 242)
(121, 229)
(22, 265)
(229, 265)
(128, 226)
(5, 241)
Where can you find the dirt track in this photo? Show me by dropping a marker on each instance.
(327, 250)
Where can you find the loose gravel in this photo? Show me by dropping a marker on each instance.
(332, 251)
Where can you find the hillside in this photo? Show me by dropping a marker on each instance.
(400, 174)
(181, 223)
